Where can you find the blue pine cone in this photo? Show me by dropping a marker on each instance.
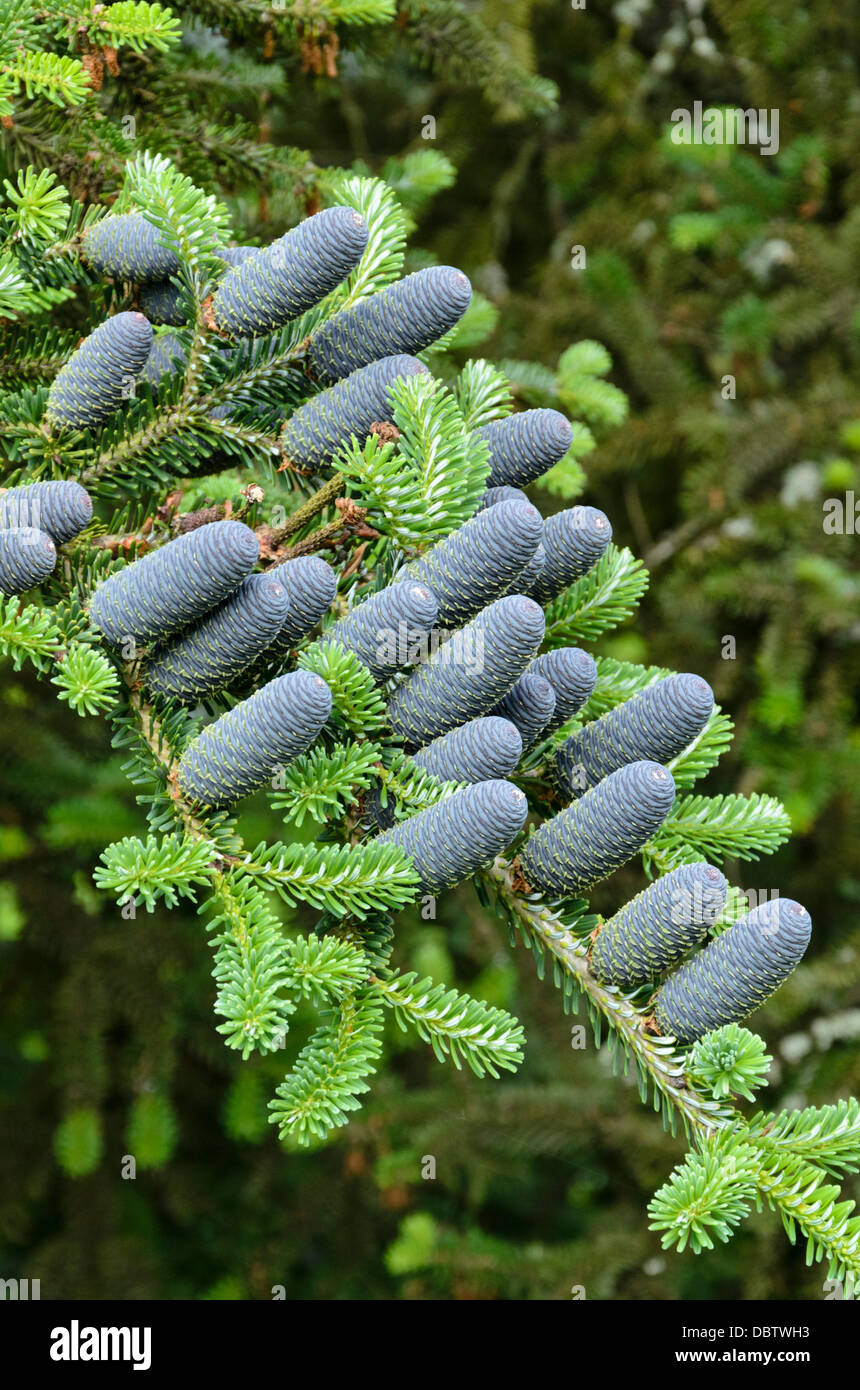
(659, 926)
(162, 303)
(735, 973)
(405, 317)
(475, 752)
(527, 579)
(596, 835)
(166, 356)
(462, 834)
(525, 445)
(214, 653)
(572, 673)
(285, 279)
(480, 560)
(311, 585)
(573, 541)
(468, 674)
(389, 630)
(61, 509)
(238, 255)
(494, 495)
(529, 705)
(128, 248)
(658, 723)
(176, 584)
(249, 744)
(27, 556)
(314, 433)
(100, 375)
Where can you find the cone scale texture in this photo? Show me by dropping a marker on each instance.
(658, 723)
(384, 630)
(527, 580)
(100, 376)
(572, 673)
(314, 433)
(462, 834)
(478, 562)
(659, 926)
(214, 653)
(573, 541)
(529, 705)
(405, 317)
(162, 303)
(127, 247)
(478, 751)
(469, 673)
(245, 747)
(175, 585)
(60, 509)
(494, 495)
(596, 835)
(525, 445)
(238, 255)
(736, 973)
(285, 279)
(27, 556)
(166, 357)
(311, 585)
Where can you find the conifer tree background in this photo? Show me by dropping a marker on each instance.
(695, 270)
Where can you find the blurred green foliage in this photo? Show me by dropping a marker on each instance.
(724, 284)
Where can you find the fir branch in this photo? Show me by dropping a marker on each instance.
(192, 223)
(707, 1196)
(321, 785)
(719, 827)
(548, 935)
(52, 77)
(382, 261)
(357, 880)
(827, 1135)
(410, 788)
(87, 680)
(604, 597)
(729, 1061)
(795, 1189)
(456, 44)
(39, 205)
(456, 1026)
(357, 705)
(483, 394)
(146, 872)
(137, 25)
(252, 966)
(27, 634)
(432, 479)
(325, 969)
(316, 503)
(329, 1075)
(34, 354)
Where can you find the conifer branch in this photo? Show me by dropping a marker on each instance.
(330, 1073)
(603, 598)
(358, 880)
(322, 498)
(657, 1067)
(252, 966)
(464, 1029)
